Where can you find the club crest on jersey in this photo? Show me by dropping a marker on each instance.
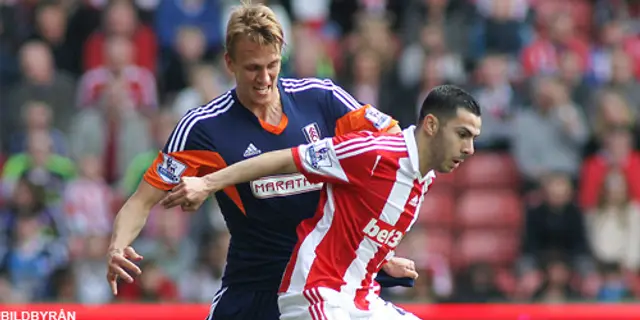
(170, 170)
(312, 132)
(378, 119)
(318, 155)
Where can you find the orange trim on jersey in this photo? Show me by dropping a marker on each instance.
(356, 121)
(196, 163)
(275, 129)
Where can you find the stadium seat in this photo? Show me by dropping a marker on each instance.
(489, 209)
(506, 281)
(487, 170)
(443, 181)
(437, 210)
(498, 248)
(439, 242)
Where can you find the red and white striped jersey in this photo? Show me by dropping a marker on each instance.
(371, 198)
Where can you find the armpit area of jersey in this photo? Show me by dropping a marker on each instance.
(387, 281)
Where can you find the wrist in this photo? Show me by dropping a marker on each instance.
(211, 184)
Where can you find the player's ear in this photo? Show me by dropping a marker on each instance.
(228, 61)
(430, 124)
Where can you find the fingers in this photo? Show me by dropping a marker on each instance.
(189, 206)
(411, 274)
(130, 253)
(113, 283)
(174, 198)
(118, 266)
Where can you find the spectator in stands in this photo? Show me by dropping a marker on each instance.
(121, 20)
(498, 100)
(29, 200)
(7, 294)
(88, 200)
(153, 286)
(88, 269)
(501, 29)
(441, 13)
(189, 51)
(310, 56)
(614, 38)
(540, 57)
(202, 14)
(201, 282)
(611, 111)
(51, 29)
(616, 154)
(478, 285)
(549, 137)
(555, 228)
(614, 288)
(114, 131)
(140, 84)
(370, 83)
(413, 97)
(374, 33)
(62, 286)
(556, 287)
(432, 44)
(614, 224)
(41, 82)
(37, 116)
(33, 254)
(572, 75)
(161, 126)
(167, 242)
(40, 166)
(624, 82)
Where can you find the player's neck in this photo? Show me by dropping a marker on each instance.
(424, 153)
(270, 112)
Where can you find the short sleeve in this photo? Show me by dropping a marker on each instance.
(188, 152)
(346, 159)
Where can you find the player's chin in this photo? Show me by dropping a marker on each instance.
(447, 167)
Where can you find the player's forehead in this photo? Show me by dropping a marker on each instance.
(250, 52)
(466, 120)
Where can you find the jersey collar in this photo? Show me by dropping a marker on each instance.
(412, 147)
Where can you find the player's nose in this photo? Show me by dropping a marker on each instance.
(263, 77)
(468, 148)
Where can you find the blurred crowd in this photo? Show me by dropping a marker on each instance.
(545, 212)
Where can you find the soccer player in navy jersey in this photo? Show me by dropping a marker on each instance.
(375, 183)
(262, 113)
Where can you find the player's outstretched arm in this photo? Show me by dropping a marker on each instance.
(192, 191)
(127, 226)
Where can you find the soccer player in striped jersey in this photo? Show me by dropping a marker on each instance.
(262, 113)
(374, 186)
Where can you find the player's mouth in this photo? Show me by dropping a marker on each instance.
(457, 162)
(262, 90)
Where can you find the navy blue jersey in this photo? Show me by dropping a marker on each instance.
(261, 215)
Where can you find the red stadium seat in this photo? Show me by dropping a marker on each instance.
(439, 243)
(489, 209)
(498, 248)
(506, 281)
(487, 170)
(437, 210)
(443, 181)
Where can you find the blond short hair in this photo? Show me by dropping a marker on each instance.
(257, 22)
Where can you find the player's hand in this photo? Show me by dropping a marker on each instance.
(118, 263)
(401, 268)
(189, 194)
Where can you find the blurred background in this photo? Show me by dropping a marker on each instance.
(546, 211)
